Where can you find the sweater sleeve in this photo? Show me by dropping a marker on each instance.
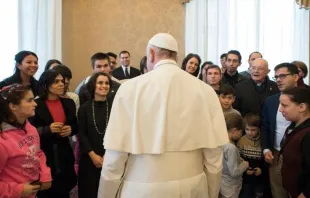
(235, 168)
(213, 165)
(45, 171)
(83, 130)
(8, 189)
(306, 157)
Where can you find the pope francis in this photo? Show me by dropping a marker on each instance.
(165, 134)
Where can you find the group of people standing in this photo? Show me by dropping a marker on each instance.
(165, 133)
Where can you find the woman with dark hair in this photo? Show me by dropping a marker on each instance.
(50, 64)
(203, 66)
(56, 120)
(295, 145)
(143, 67)
(93, 120)
(191, 64)
(67, 75)
(303, 72)
(26, 65)
(23, 170)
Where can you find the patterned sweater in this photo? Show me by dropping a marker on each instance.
(251, 151)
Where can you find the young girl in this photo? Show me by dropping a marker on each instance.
(93, 119)
(25, 68)
(23, 170)
(295, 145)
(56, 121)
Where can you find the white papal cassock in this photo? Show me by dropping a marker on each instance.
(166, 130)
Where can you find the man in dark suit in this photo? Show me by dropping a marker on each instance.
(251, 93)
(273, 126)
(125, 71)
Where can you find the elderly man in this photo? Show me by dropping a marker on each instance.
(253, 56)
(250, 94)
(161, 149)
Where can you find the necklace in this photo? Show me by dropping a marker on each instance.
(94, 118)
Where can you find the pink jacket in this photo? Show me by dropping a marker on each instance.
(21, 160)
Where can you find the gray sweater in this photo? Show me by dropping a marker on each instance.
(233, 166)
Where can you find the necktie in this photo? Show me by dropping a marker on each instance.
(126, 72)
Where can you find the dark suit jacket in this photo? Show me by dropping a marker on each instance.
(120, 75)
(250, 97)
(269, 121)
(59, 154)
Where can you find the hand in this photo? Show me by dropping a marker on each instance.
(246, 163)
(250, 171)
(258, 171)
(29, 189)
(46, 185)
(65, 131)
(301, 196)
(97, 160)
(269, 157)
(56, 127)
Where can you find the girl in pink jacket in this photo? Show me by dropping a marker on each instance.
(23, 170)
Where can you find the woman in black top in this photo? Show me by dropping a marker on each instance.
(25, 68)
(55, 118)
(93, 118)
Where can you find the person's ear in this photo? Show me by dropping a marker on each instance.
(13, 107)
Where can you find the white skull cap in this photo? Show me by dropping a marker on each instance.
(164, 41)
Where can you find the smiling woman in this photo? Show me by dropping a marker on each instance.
(25, 68)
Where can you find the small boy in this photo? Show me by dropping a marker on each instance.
(233, 165)
(227, 97)
(250, 150)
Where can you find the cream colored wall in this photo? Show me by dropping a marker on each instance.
(91, 26)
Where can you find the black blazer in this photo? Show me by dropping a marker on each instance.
(269, 121)
(250, 99)
(59, 154)
(120, 75)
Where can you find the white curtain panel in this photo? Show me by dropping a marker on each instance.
(276, 28)
(40, 29)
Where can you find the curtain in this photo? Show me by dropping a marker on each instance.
(8, 37)
(39, 24)
(278, 29)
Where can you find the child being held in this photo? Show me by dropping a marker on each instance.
(233, 165)
(227, 97)
(250, 150)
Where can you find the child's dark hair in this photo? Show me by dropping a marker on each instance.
(226, 90)
(11, 94)
(252, 119)
(234, 120)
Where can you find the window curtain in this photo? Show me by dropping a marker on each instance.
(39, 23)
(278, 29)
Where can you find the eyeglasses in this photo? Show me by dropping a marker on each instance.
(281, 76)
(5, 91)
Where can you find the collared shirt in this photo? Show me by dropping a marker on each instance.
(281, 126)
(124, 69)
